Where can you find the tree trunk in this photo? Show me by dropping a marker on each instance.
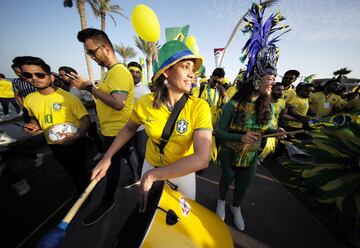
(102, 18)
(83, 23)
(148, 64)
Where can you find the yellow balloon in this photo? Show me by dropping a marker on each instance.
(145, 23)
(194, 48)
(190, 41)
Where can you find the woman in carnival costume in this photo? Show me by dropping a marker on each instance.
(188, 148)
(249, 114)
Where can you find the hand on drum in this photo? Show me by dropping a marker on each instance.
(101, 168)
(146, 183)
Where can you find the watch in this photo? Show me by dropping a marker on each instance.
(89, 88)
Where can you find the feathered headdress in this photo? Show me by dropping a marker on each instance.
(260, 50)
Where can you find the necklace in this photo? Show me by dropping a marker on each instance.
(169, 107)
(214, 99)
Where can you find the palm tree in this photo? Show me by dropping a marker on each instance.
(149, 49)
(126, 52)
(80, 5)
(341, 73)
(105, 7)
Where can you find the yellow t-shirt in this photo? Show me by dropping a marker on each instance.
(301, 106)
(6, 89)
(231, 91)
(353, 105)
(213, 98)
(278, 107)
(56, 108)
(289, 94)
(322, 105)
(194, 116)
(117, 80)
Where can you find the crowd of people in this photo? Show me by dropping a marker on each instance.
(168, 131)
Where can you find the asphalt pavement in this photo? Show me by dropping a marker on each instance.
(273, 217)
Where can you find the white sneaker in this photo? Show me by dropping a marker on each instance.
(39, 159)
(6, 139)
(220, 209)
(98, 156)
(20, 113)
(238, 219)
(22, 187)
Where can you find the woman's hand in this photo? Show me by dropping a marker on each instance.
(250, 137)
(281, 130)
(101, 168)
(146, 183)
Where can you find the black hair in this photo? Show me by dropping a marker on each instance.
(219, 72)
(331, 81)
(160, 91)
(302, 85)
(36, 61)
(67, 69)
(94, 34)
(2, 75)
(134, 64)
(19, 61)
(293, 72)
(262, 104)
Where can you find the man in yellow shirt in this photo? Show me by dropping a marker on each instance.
(7, 96)
(114, 103)
(298, 107)
(49, 106)
(277, 94)
(327, 102)
(288, 79)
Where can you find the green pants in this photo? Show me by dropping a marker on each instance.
(242, 176)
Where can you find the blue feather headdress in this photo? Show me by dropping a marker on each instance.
(260, 49)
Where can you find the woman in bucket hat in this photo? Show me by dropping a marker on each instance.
(188, 148)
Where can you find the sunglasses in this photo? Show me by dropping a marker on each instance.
(134, 71)
(92, 52)
(29, 75)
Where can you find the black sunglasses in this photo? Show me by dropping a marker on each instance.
(29, 75)
(92, 52)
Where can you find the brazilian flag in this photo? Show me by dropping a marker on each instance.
(177, 33)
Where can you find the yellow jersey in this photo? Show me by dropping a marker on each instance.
(231, 91)
(55, 108)
(353, 105)
(289, 94)
(194, 116)
(6, 89)
(117, 80)
(301, 106)
(322, 105)
(278, 107)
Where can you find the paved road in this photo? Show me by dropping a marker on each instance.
(273, 217)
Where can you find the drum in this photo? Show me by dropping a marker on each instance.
(173, 221)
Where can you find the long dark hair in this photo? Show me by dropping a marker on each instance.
(160, 92)
(262, 104)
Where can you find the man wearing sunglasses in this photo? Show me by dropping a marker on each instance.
(114, 102)
(49, 106)
(288, 79)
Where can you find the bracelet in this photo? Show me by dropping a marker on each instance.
(89, 88)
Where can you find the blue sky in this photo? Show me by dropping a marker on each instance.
(325, 34)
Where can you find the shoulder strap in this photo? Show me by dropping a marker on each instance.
(202, 87)
(170, 124)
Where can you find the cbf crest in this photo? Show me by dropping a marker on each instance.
(57, 106)
(182, 126)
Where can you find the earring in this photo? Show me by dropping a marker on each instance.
(257, 83)
(166, 82)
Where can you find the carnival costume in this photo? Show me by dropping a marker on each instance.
(239, 161)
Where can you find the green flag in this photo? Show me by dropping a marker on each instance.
(177, 33)
(309, 78)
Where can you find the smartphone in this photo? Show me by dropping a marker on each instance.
(69, 75)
